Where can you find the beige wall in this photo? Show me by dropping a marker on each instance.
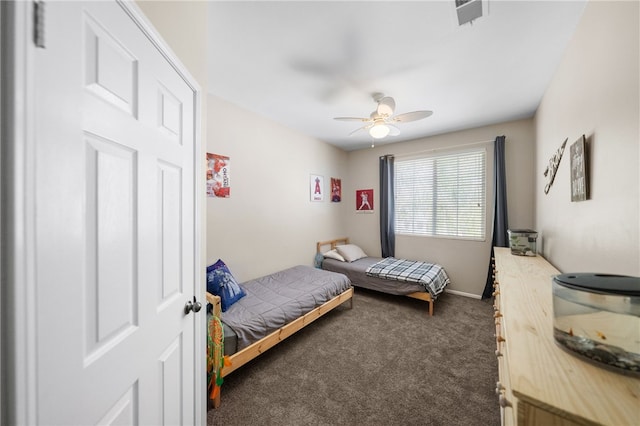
(465, 261)
(594, 92)
(269, 222)
(183, 25)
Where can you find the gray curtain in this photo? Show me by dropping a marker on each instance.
(500, 220)
(387, 207)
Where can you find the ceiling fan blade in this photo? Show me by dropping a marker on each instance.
(368, 126)
(386, 106)
(393, 130)
(410, 116)
(364, 120)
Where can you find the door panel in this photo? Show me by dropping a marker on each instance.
(111, 71)
(115, 224)
(169, 196)
(111, 282)
(125, 410)
(170, 114)
(171, 383)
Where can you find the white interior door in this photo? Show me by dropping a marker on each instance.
(115, 247)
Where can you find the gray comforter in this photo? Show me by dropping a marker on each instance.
(275, 300)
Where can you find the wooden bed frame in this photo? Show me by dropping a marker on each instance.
(340, 241)
(242, 357)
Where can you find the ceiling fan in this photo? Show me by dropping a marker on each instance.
(381, 122)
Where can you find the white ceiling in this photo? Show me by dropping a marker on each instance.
(301, 63)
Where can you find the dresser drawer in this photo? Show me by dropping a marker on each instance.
(539, 383)
(503, 386)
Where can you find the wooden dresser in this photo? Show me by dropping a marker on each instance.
(540, 383)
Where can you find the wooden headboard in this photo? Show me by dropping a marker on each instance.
(332, 243)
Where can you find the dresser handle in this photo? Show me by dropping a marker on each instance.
(504, 402)
(499, 388)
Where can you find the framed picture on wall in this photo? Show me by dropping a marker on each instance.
(579, 170)
(336, 190)
(316, 187)
(364, 200)
(218, 176)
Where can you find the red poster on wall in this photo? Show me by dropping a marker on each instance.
(336, 190)
(364, 200)
(218, 171)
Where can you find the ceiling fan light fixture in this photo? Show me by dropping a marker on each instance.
(386, 106)
(379, 131)
(381, 122)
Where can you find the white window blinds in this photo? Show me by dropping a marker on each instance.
(442, 195)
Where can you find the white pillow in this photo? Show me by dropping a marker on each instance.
(333, 254)
(351, 252)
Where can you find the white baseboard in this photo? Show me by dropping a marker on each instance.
(462, 293)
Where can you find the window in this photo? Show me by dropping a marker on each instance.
(442, 195)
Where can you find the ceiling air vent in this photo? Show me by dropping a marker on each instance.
(468, 10)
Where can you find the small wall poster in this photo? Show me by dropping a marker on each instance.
(364, 200)
(336, 190)
(316, 186)
(218, 172)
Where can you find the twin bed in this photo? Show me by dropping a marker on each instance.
(419, 280)
(277, 305)
(274, 307)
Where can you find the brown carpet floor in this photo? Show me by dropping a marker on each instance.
(384, 362)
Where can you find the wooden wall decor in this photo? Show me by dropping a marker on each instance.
(579, 170)
(552, 168)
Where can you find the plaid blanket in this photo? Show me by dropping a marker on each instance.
(431, 276)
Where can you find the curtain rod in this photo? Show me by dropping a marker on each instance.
(408, 154)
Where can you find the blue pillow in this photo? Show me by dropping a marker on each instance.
(317, 261)
(221, 283)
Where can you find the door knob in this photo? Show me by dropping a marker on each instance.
(194, 306)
